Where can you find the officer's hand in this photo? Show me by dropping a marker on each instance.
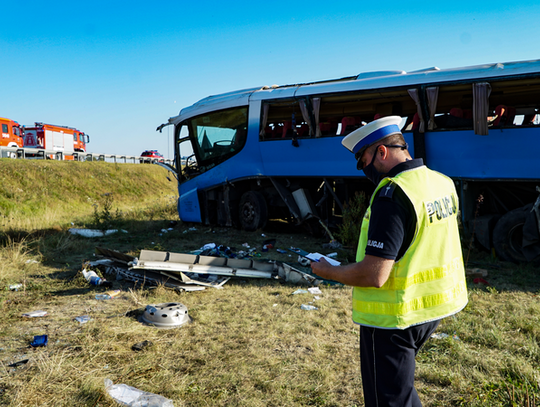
(322, 268)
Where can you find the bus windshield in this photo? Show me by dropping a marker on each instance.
(218, 135)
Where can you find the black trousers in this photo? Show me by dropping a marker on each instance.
(387, 361)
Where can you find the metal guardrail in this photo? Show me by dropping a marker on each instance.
(42, 154)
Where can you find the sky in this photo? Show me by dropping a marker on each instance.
(116, 70)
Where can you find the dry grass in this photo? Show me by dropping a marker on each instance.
(250, 344)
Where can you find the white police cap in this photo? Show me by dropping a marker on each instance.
(371, 133)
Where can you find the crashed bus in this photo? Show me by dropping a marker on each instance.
(275, 151)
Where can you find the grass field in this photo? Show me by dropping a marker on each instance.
(250, 343)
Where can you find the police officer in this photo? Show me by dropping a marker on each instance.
(409, 272)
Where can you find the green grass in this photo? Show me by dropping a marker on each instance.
(250, 344)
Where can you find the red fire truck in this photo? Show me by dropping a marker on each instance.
(12, 134)
(63, 139)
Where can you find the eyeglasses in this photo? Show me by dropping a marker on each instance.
(360, 165)
(358, 156)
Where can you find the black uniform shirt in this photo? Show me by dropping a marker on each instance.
(393, 221)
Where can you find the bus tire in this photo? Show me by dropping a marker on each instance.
(508, 235)
(253, 211)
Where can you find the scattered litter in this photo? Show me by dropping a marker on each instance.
(245, 245)
(15, 287)
(102, 297)
(269, 243)
(83, 319)
(476, 272)
(275, 305)
(304, 261)
(31, 261)
(308, 307)
(479, 280)
(39, 340)
(19, 363)
(333, 244)
(281, 251)
(92, 277)
(314, 290)
(208, 246)
(108, 295)
(132, 397)
(141, 345)
(299, 291)
(316, 297)
(332, 255)
(189, 230)
(93, 232)
(295, 276)
(443, 335)
(113, 293)
(35, 314)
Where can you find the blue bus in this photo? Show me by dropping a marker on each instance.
(275, 151)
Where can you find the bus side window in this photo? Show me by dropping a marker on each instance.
(303, 130)
(528, 119)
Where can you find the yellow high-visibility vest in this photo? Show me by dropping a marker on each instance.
(428, 282)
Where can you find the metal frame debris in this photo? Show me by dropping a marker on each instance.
(186, 271)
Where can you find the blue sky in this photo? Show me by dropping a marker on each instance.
(117, 70)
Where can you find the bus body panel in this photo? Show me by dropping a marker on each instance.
(509, 154)
(322, 157)
(188, 204)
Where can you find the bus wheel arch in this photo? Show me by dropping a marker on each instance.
(253, 211)
(508, 235)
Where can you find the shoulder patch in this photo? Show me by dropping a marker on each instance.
(387, 191)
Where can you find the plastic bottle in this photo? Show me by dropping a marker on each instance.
(92, 277)
(133, 397)
(103, 297)
(108, 295)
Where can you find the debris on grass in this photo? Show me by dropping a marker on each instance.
(443, 336)
(133, 397)
(39, 341)
(166, 316)
(83, 319)
(34, 314)
(476, 272)
(479, 280)
(184, 271)
(141, 346)
(94, 232)
(19, 363)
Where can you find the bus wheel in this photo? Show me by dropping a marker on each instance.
(508, 235)
(253, 211)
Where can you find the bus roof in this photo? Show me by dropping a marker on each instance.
(362, 81)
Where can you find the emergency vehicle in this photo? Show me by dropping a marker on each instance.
(11, 135)
(66, 140)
